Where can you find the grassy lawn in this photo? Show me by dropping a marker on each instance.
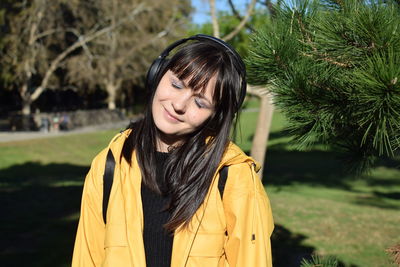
(40, 190)
(318, 208)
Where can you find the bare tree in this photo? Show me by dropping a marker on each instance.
(123, 55)
(260, 139)
(29, 51)
(25, 53)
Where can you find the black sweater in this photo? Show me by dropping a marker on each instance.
(157, 241)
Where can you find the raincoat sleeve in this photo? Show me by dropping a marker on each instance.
(248, 218)
(89, 243)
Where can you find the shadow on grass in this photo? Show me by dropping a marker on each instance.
(288, 249)
(377, 201)
(284, 167)
(314, 167)
(40, 206)
(315, 162)
(389, 162)
(278, 134)
(392, 195)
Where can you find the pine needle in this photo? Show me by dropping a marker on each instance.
(395, 253)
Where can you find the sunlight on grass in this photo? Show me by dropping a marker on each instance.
(77, 149)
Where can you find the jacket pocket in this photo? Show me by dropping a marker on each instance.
(208, 245)
(116, 247)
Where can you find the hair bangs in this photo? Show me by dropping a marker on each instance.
(197, 69)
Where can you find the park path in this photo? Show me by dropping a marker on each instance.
(19, 136)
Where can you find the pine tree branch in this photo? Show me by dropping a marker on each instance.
(270, 6)
(309, 41)
(304, 31)
(395, 253)
(338, 2)
(328, 59)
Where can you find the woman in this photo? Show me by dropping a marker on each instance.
(167, 206)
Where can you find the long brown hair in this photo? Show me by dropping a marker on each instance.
(190, 167)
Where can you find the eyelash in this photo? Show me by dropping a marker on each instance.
(198, 103)
(177, 86)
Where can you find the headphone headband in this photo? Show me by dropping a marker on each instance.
(199, 37)
(158, 64)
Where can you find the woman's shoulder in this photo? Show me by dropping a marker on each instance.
(115, 145)
(242, 170)
(234, 155)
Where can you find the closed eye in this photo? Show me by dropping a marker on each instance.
(176, 85)
(200, 103)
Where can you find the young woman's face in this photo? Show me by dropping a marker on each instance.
(178, 110)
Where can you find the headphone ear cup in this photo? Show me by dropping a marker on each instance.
(152, 73)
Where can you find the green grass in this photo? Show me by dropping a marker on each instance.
(317, 206)
(40, 188)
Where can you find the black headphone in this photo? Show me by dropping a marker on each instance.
(160, 63)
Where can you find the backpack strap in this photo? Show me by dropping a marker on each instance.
(223, 175)
(108, 178)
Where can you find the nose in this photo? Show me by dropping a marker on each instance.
(181, 100)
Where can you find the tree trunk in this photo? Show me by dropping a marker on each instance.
(214, 18)
(112, 95)
(26, 108)
(25, 99)
(260, 139)
(111, 105)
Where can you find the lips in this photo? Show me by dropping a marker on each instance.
(171, 117)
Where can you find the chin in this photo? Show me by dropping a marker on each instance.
(166, 129)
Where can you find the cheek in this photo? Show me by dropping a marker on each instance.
(162, 90)
(199, 117)
(160, 94)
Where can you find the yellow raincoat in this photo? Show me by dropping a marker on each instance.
(245, 215)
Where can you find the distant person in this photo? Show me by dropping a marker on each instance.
(45, 124)
(182, 193)
(64, 122)
(56, 123)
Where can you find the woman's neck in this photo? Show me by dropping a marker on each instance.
(167, 143)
